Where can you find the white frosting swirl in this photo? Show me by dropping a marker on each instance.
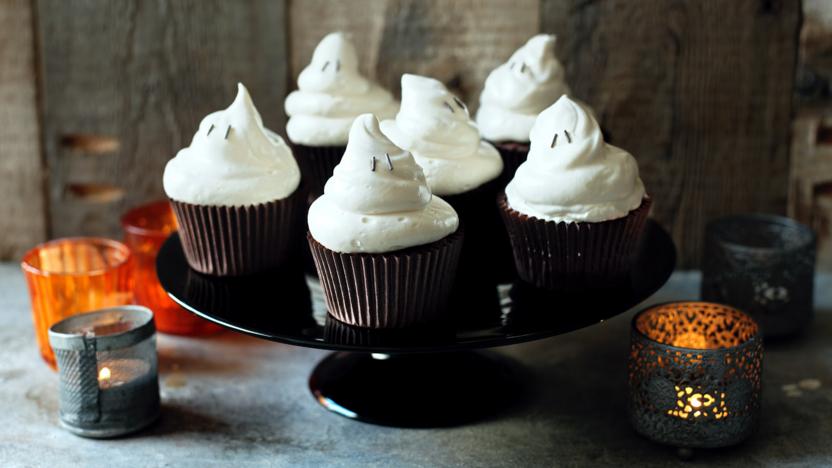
(232, 161)
(518, 90)
(434, 125)
(331, 93)
(576, 177)
(369, 207)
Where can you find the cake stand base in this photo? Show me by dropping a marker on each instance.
(416, 390)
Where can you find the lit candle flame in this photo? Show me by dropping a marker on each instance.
(697, 404)
(104, 374)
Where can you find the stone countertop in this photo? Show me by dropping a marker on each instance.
(235, 400)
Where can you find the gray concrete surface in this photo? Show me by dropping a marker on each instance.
(236, 401)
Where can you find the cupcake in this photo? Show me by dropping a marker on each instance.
(331, 94)
(434, 125)
(575, 209)
(386, 250)
(236, 193)
(514, 93)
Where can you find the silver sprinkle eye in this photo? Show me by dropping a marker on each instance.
(325, 65)
(389, 162)
(227, 131)
(568, 137)
(372, 163)
(449, 107)
(459, 103)
(210, 129)
(554, 141)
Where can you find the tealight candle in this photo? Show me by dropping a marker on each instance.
(694, 374)
(108, 372)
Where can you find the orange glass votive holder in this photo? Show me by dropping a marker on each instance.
(146, 228)
(70, 276)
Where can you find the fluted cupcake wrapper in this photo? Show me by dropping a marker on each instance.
(239, 240)
(388, 290)
(561, 256)
(514, 154)
(316, 164)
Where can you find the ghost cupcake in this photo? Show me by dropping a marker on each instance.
(386, 250)
(515, 93)
(236, 193)
(331, 94)
(575, 210)
(434, 125)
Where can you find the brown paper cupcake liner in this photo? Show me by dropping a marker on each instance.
(559, 256)
(316, 165)
(513, 154)
(240, 240)
(486, 256)
(388, 290)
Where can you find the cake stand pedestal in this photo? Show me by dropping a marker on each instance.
(415, 377)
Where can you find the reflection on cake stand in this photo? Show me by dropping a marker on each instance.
(417, 377)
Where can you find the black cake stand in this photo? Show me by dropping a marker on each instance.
(419, 377)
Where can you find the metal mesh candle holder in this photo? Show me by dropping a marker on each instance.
(108, 377)
(694, 374)
(763, 265)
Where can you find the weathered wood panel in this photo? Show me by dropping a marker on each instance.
(699, 91)
(126, 83)
(810, 176)
(457, 42)
(22, 195)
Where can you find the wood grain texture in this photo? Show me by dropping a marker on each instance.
(699, 91)
(810, 176)
(126, 83)
(22, 196)
(456, 42)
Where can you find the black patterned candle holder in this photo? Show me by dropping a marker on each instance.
(694, 374)
(763, 265)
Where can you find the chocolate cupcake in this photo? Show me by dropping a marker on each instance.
(434, 125)
(576, 208)
(514, 93)
(386, 250)
(331, 94)
(236, 194)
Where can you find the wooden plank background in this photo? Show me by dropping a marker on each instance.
(22, 195)
(699, 91)
(125, 85)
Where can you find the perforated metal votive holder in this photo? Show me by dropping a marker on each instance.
(108, 377)
(763, 265)
(694, 374)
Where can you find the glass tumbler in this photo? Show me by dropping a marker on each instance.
(146, 228)
(69, 276)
